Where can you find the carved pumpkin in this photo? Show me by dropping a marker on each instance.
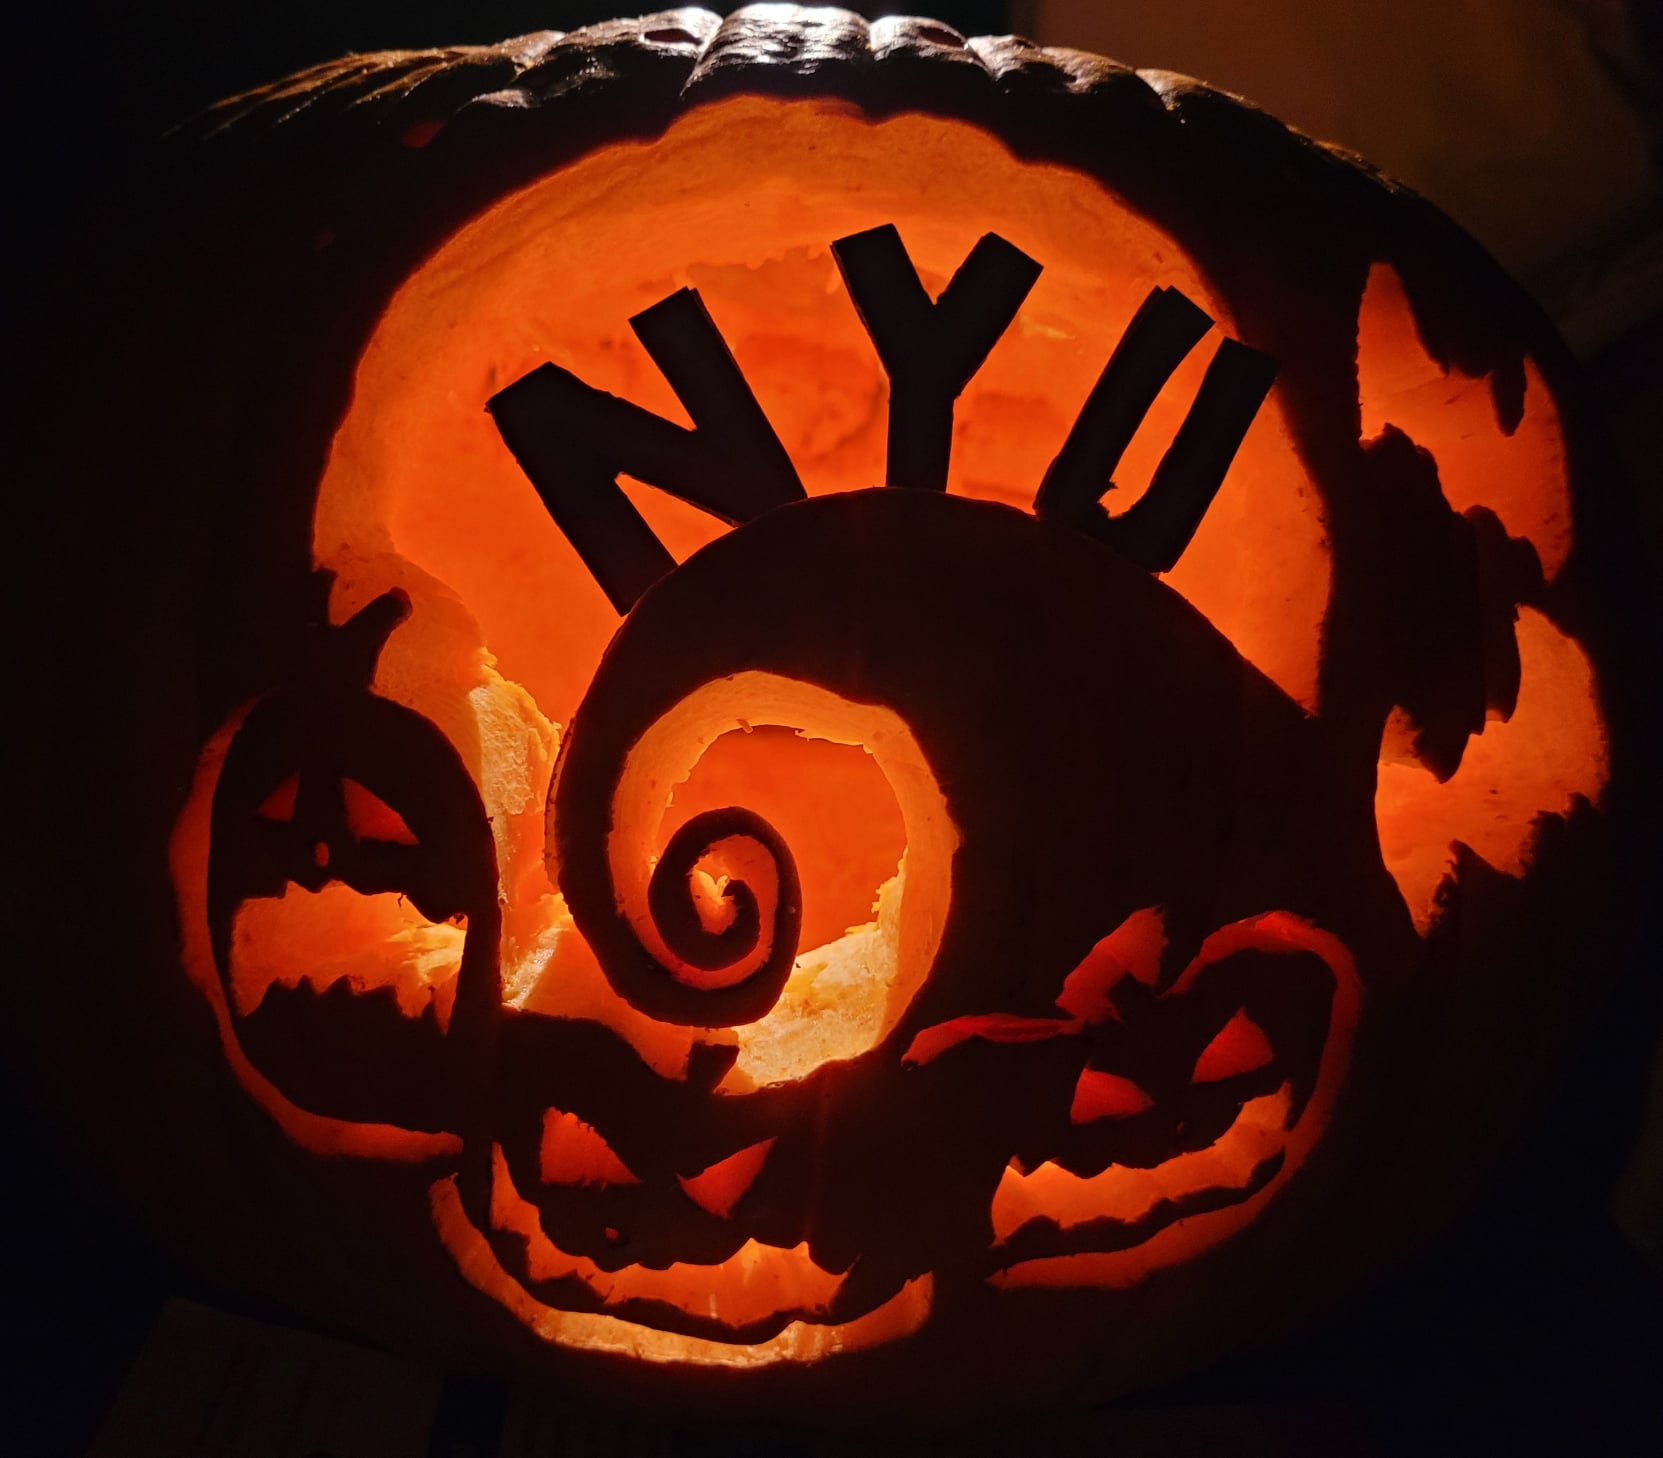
(678, 834)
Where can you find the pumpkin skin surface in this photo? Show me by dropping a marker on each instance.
(898, 951)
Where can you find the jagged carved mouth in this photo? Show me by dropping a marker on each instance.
(1145, 1174)
(1200, 1093)
(745, 1318)
(1148, 1171)
(1056, 1228)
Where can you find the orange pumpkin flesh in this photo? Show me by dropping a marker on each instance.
(1080, 916)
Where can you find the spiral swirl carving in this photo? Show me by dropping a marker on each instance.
(703, 927)
(759, 894)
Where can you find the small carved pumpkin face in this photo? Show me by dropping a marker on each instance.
(1101, 1114)
(791, 862)
(1049, 1097)
(341, 925)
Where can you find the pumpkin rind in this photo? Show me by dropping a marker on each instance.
(257, 253)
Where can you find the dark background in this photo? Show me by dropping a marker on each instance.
(88, 82)
(1533, 1327)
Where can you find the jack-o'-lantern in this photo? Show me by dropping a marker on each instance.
(679, 835)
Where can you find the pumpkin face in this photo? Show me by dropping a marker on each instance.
(312, 862)
(1076, 1112)
(855, 728)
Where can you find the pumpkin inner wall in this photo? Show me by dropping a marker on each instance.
(1552, 748)
(741, 200)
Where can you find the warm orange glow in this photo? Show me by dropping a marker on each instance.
(838, 1001)
(1240, 1046)
(752, 1284)
(419, 489)
(507, 627)
(321, 937)
(668, 751)
(1535, 763)
(438, 664)
(829, 802)
(800, 1341)
(930, 1043)
(574, 1153)
(732, 858)
(279, 805)
(369, 817)
(1052, 1193)
(720, 1187)
(1552, 748)
(1099, 1095)
(758, 1281)
(1257, 1147)
(1521, 477)
(558, 976)
(510, 747)
(188, 863)
(893, 956)
(1132, 949)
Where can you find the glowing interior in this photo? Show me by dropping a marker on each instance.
(721, 1186)
(420, 492)
(555, 272)
(1050, 1193)
(1521, 477)
(575, 1153)
(508, 626)
(757, 1281)
(1240, 1046)
(1551, 750)
(321, 937)
(1133, 949)
(829, 802)
(754, 1277)
(188, 852)
(1261, 1132)
(875, 968)
(1099, 1095)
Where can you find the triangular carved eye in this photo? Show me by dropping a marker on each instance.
(719, 1188)
(1100, 1095)
(575, 1153)
(1133, 949)
(1239, 1047)
(278, 806)
(369, 817)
